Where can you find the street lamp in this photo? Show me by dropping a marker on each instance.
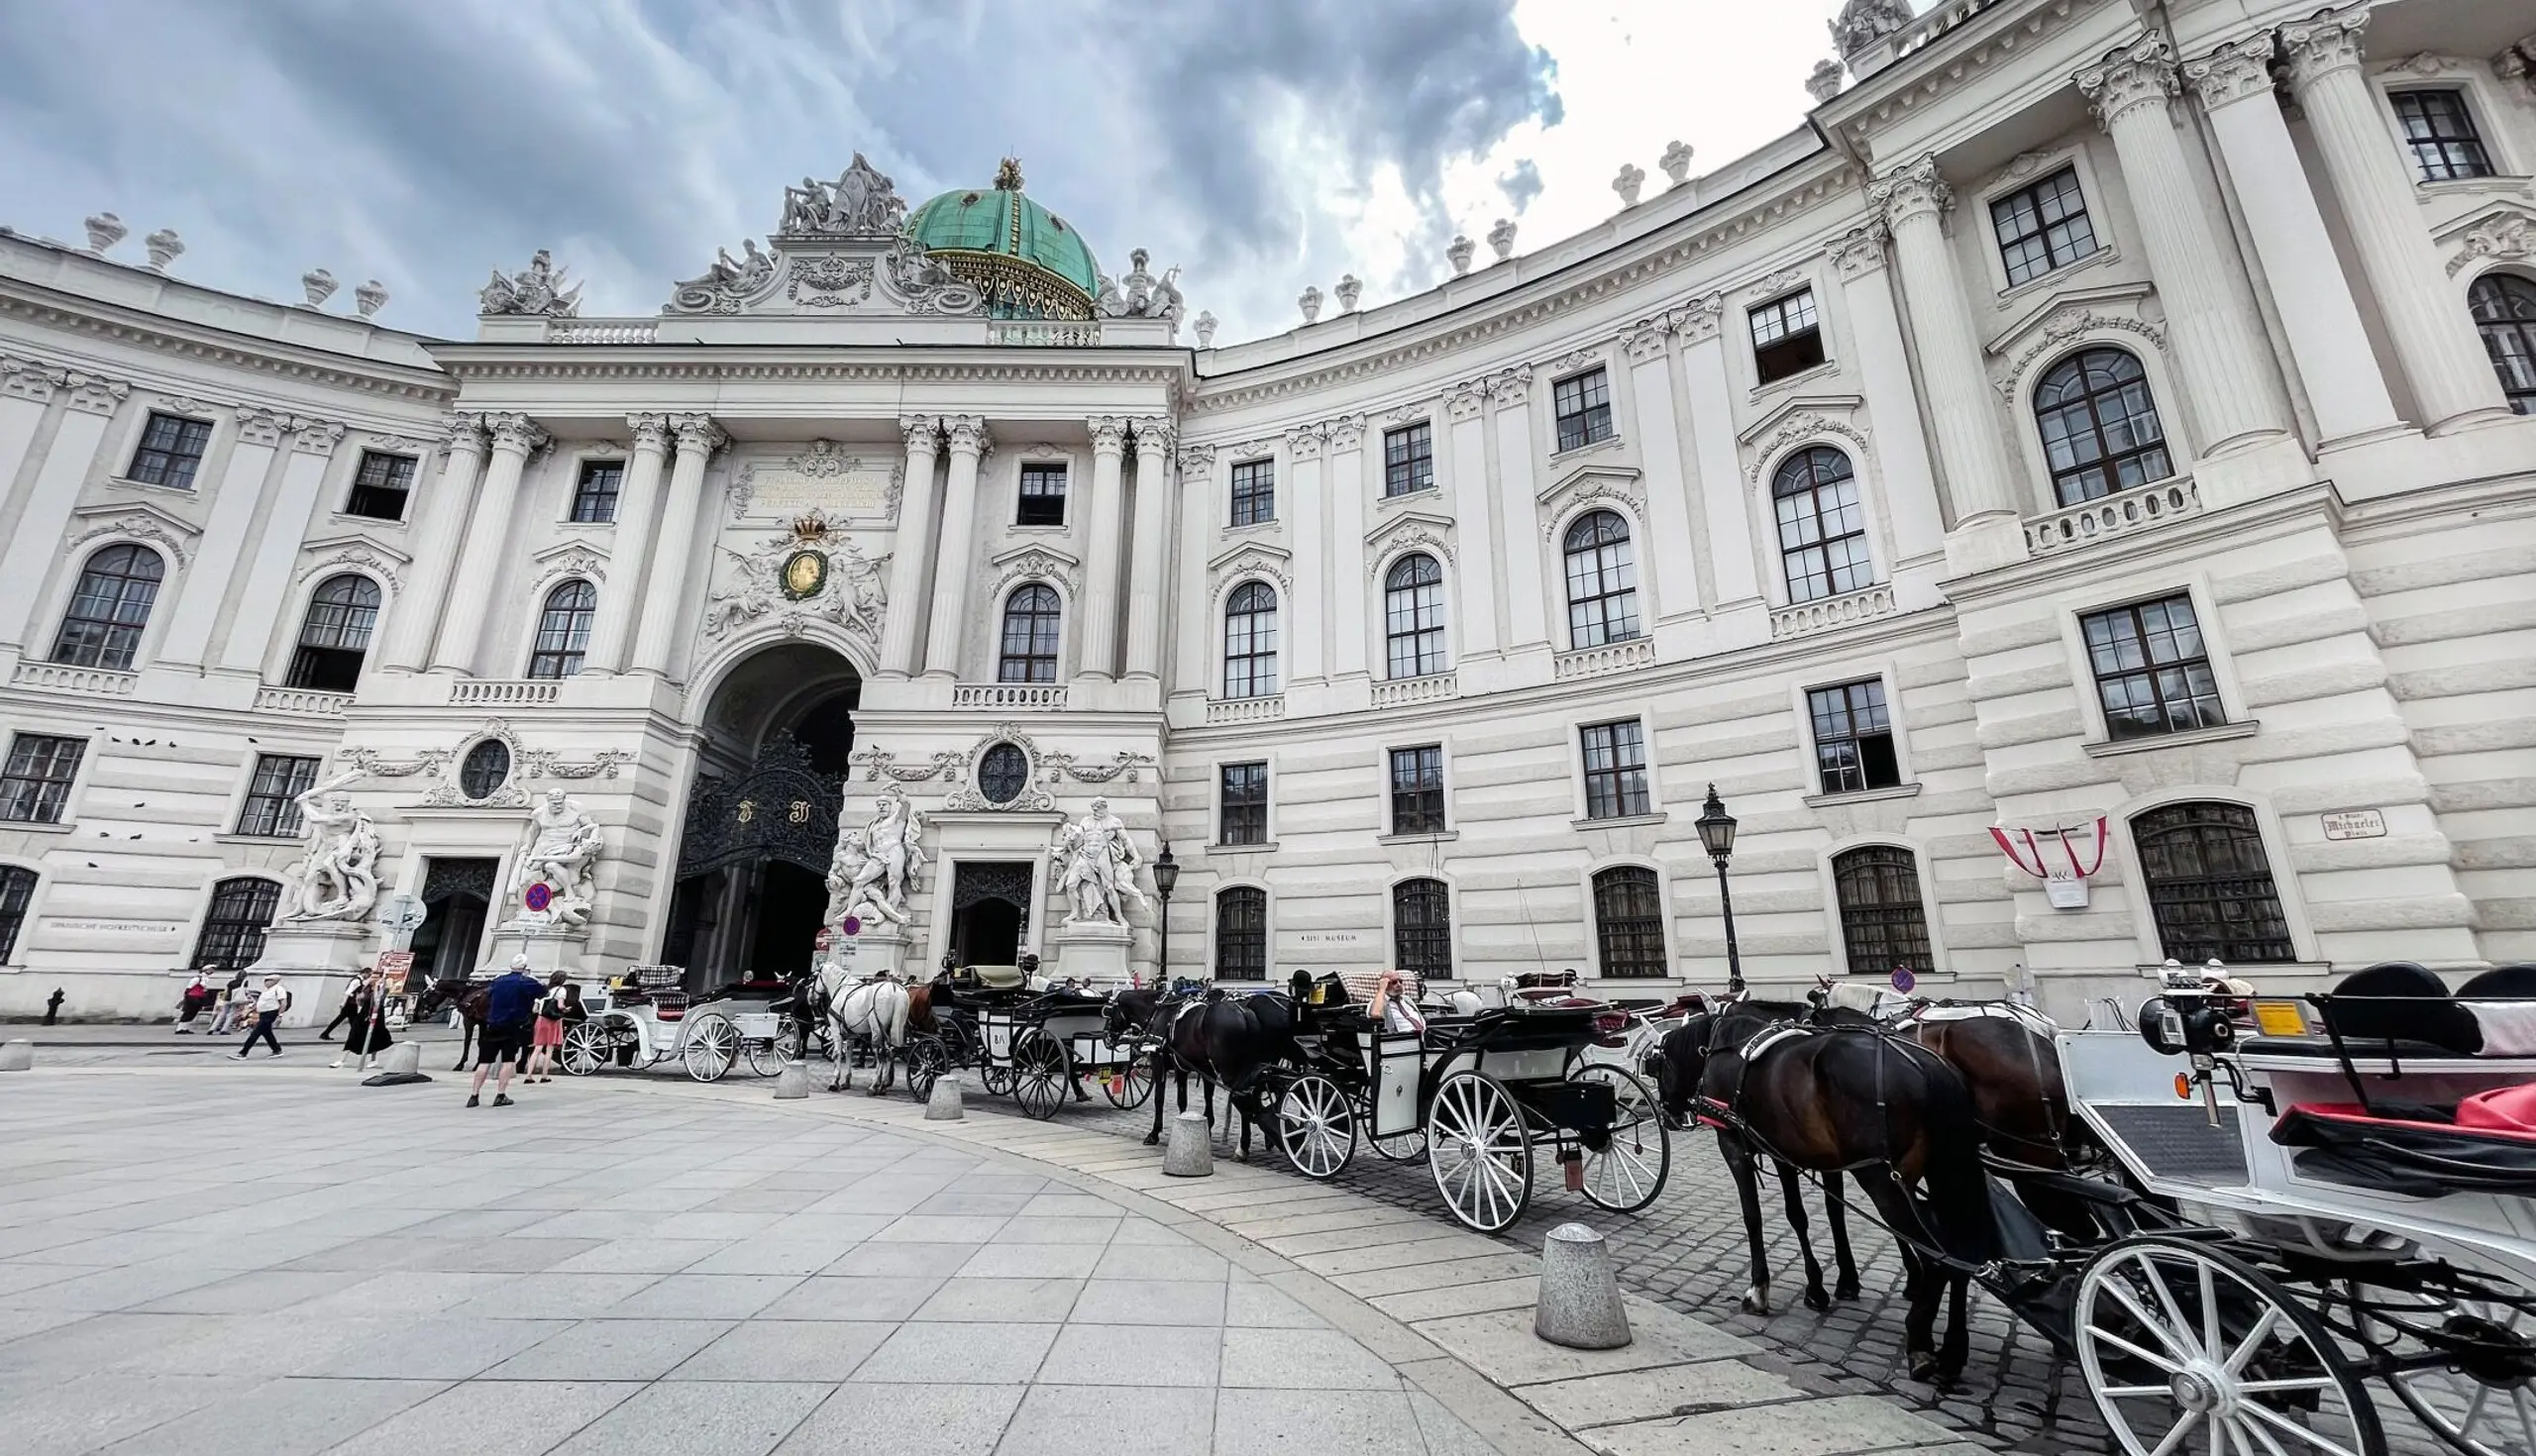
(1717, 835)
(1166, 875)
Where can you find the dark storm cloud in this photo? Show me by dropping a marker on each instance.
(427, 143)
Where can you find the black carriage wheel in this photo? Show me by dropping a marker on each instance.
(585, 1049)
(927, 1058)
(1315, 1128)
(1041, 1073)
(767, 1055)
(1480, 1151)
(1626, 1166)
(2474, 1382)
(2179, 1341)
(1406, 1147)
(1129, 1084)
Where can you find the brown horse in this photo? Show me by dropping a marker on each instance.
(470, 999)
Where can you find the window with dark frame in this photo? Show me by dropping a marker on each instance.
(1418, 790)
(1241, 933)
(1033, 619)
(35, 785)
(1822, 528)
(109, 609)
(382, 486)
(233, 932)
(1409, 458)
(1602, 581)
(1244, 798)
(2210, 884)
(1254, 492)
(486, 768)
(2043, 226)
(1422, 929)
(1044, 496)
(1615, 769)
(2504, 310)
(595, 497)
(2100, 429)
(2440, 133)
(272, 810)
(171, 450)
(1884, 924)
(1413, 617)
(17, 890)
(1629, 923)
(1582, 406)
(1250, 641)
(1853, 738)
(333, 640)
(563, 630)
(2152, 669)
(1787, 337)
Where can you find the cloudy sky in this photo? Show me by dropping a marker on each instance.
(1262, 145)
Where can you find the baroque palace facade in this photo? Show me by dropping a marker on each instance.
(2096, 413)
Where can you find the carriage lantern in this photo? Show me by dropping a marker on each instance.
(1717, 835)
(1166, 873)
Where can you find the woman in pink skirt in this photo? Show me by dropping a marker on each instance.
(548, 1039)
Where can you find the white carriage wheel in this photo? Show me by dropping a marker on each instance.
(585, 1049)
(1315, 1126)
(2476, 1415)
(1629, 1170)
(709, 1046)
(1039, 1074)
(1480, 1151)
(2181, 1344)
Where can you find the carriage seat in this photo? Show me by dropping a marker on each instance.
(2405, 1008)
(999, 978)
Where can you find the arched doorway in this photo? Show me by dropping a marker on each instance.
(751, 889)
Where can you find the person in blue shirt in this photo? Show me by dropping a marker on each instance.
(511, 1002)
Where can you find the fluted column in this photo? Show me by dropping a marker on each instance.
(638, 516)
(2434, 337)
(911, 554)
(969, 442)
(1885, 368)
(1097, 612)
(2223, 365)
(515, 438)
(698, 438)
(415, 621)
(1148, 548)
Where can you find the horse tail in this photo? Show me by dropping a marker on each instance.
(1958, 1187)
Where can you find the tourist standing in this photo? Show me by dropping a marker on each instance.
(188, 1006)
(510, 1003)
(548, 1034)
(368, 1035)
(268, 1006)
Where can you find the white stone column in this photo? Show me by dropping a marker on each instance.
(1721, 467)
(1885, 365)
(1149, 547)
(1203, 492)
(638, 520)
(1350, 489)
(36, 538)
(1668, 553)
(1519, 511)
(26, 394)
(1097, 612)
(2308, 291)
(663, 601)
(1988, 531)
(2434, 337)
(911, 552)
(488, 539)
(1475, 605)
(267, 591)
(957, 549)
(414, 621)
(217, 556)
(1306, 503)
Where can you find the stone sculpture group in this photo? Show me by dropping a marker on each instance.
(559, 850)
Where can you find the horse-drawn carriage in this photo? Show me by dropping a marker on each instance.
(1034, 1045)
(645, 1019)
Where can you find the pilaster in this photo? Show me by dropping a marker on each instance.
(664, 606)
(637, 518)
(911, 550)
(414, 621)
(1097, 612)
(970, 442)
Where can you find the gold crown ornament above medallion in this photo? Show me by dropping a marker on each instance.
(810, 526)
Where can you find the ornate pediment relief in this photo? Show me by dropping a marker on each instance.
(1835, 406)
(2504, 232)
(815, 573)
(1038, 562)
(350, 551)
(568, 559)
(1587, 484)
(1797, 429)
(839, 248)
(1406, 531)
(1251, 558)
(2052, 310)
(135, 521)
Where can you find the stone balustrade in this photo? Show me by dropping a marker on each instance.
(87, 681)
(2118, 514)
(1415, 689)
(1044, 335)
(1006, 696)
(1807, 617)
(1247, 709)
(503, 692)
(304, 702)
(603, 331)
(1612, 657)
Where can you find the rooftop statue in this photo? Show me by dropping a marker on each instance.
(863, 202)
(729, 280)
(1139, 295)
(1863, 23)
(535, 292)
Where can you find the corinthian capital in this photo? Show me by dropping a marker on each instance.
(515, 432)
(698, 435)
(1109, 434)
(2329, 43)
(2141, 73)
(465, 432)
(1914, 191)
(1860, 251)
(1154, 435)
(922, 433)
(651, 432)
(2236, 71)
(967, 434)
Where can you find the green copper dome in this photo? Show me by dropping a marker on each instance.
(1028, 261)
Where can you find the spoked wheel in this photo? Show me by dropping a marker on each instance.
(1041, 1075)
(927, 1060)
(710, 1046)
(1407, 1147)
(2189, 1350)
(585, 1049)
(1480, 1151)
(1315, 1126)
(1128, 1085)
(2464, 1367)
(1625, 1167)
(767, 1058)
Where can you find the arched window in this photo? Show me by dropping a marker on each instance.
(2504, 309)
(1602, 581)
(2210, 884)
(563, 630)
(1414, 616)
(336, 635)
(1241, 933)
(1882, 922)
(1822, 531)
(109, 608)
(1250, 641)
(1629, 922)
(2099, 426)
(17, 887)
(233, 934)
(1422, 929)
(1031, 618)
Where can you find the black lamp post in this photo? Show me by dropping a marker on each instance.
(1166, 875)
(1717, 835)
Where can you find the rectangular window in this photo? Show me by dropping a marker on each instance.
(1044, 496)
(37, 781)
(1583, 405)
(272, 810)
(595, 498)
(1254, 492)
(2043, 227)
(2151, 671)
(1418, 790)
(2441, 132)
(1245, 803)
(172, 447)
(1852, 739)
(1409, 458)
(1242, 934)
(380, 487)
(1787, 337)
(1614, 771)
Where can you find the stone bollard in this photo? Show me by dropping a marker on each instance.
(944, 1105)
(792, 1082)
(1190, 1149)
(1580, 1298)
(400, 1065)
(18, 1055)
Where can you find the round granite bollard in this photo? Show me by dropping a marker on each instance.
(18, 1055)
(944, 1105)
(792, 1082)
(1580, 1299)
(1190, 1149)
(398, 1066)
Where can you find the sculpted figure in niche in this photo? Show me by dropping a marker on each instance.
(337, 879)
(1095, 867)
(560, 850)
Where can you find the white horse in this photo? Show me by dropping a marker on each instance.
(876, 1010)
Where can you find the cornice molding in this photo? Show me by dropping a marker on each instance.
(108, 322)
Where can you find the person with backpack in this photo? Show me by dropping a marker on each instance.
(561, 1005)
(269, 1003)
(510, 1003)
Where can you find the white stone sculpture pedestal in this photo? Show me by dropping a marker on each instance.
(1092, 951)
(881, 947)
(313, 958)
(549, 948)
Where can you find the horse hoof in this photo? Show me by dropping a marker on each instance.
(1847, 1289)
(1816, 1299)
(1756, 1303)
(1152, 1142)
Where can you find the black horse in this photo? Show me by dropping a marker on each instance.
(1227, 1040)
